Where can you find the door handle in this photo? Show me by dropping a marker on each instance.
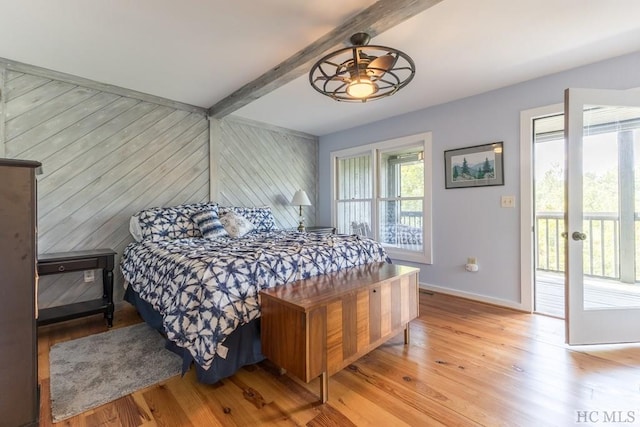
(577, 235)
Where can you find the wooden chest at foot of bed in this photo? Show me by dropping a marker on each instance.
(317, 326)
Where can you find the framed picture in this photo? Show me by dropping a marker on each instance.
(477, 166)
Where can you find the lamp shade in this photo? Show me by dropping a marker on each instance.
(300, 199)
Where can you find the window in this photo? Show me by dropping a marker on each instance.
(383, 191)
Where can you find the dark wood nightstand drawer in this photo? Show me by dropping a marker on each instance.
(53, 267)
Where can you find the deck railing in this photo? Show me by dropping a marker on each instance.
(601, 249)
(411, 218)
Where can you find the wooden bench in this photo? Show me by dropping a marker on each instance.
(317, 326)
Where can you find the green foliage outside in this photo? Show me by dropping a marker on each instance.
(412, 185)
(600, 192)
(600, 196)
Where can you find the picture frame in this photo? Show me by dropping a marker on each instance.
(475, 166)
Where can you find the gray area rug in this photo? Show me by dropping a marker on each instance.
(94, 370)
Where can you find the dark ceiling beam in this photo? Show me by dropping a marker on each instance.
(377, 18)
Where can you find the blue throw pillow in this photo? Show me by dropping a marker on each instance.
(209, 224)
(168, 223)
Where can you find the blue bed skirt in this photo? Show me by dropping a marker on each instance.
(243, 344)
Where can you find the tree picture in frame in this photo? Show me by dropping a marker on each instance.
(476, 166)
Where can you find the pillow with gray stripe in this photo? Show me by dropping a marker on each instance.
(209, 224)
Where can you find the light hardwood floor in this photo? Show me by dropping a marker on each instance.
(468, 364)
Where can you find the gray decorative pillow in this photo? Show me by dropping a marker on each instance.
(209, 224)
(236, 225)
(261, 217)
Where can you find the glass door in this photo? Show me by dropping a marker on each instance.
(549, 212)
(602, 191)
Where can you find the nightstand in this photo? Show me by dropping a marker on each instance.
(65, 262)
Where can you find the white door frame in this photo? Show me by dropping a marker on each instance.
(526, 200)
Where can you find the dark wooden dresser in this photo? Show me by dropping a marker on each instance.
(19, 401)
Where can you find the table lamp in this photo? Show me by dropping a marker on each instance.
(301, 199)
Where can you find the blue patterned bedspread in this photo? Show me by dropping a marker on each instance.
(204, 289)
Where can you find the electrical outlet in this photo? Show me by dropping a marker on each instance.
(508, 201)
(89, 276)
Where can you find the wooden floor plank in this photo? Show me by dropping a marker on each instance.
(329, 418)
(165, 409)
(230, 405)
(293, 399)
(358, 408)
(413, 406)
(124, 412)
(468, 364)
(188, 394)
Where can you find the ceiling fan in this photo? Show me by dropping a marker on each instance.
(361, 72)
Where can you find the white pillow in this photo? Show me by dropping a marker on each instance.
(134, 228)
(236, 225)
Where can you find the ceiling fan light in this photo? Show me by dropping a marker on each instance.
(362, 88)
(362, 72)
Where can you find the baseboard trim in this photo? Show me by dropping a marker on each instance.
(471, 296)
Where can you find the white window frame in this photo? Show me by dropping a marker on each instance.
(374, 150)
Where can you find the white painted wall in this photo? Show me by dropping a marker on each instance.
(470, 222)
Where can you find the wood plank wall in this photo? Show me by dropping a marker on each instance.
(254, 164)
(105, 156)
(108, 152)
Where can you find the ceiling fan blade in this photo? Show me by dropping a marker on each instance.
(381, 65)
(337, 78)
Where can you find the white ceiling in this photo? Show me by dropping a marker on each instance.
(200, 51)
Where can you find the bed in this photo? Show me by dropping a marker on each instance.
(200, 287)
